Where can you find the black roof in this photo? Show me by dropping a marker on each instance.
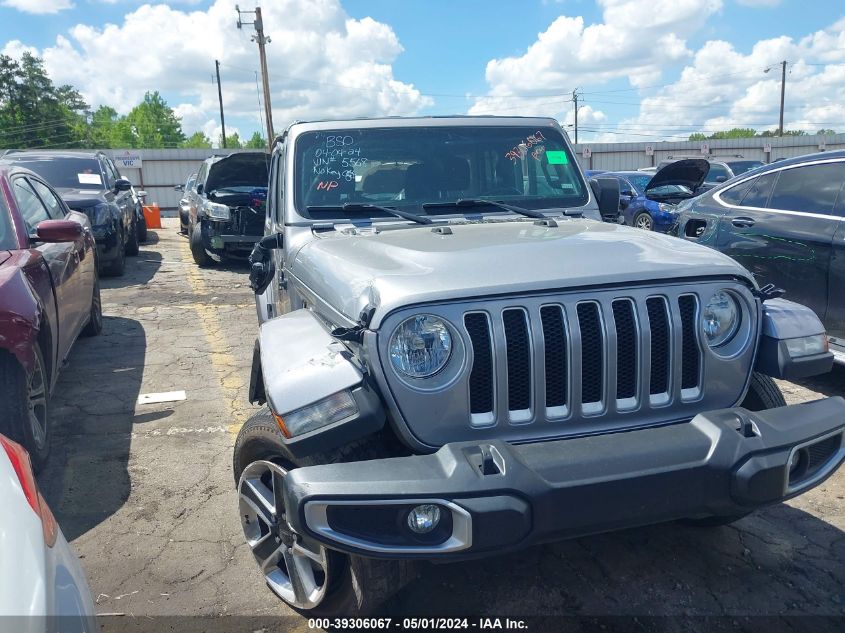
(58, 153)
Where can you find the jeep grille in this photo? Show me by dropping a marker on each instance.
(542, 366)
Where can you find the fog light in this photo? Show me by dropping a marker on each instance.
(807, 345)
(794, 461)
(424, 518)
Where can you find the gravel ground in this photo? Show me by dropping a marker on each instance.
(145, 493)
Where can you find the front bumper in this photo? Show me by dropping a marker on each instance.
(221, 238)
(497, 497)
(107, 239)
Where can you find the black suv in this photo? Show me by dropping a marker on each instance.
(90, 183)
(783, 222)
(226, 215)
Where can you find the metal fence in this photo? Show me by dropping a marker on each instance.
(162, 169)
(626, 156)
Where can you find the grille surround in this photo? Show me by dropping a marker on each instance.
(433, 417)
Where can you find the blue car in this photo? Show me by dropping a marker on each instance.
(648, 201)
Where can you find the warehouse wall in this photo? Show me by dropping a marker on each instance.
(162, 169)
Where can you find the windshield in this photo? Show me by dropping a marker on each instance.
(639, 181)
(8, 240)
(69, 173)
(741, 166)
(406, 167)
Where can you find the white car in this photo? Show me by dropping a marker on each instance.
(41, 580)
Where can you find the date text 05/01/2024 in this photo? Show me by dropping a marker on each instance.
(425, 623)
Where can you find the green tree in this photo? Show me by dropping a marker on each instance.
(33, 111)
(256, 141)
(152, 123)
(197, 140)
(233, 141)
(108, 129)
(826, 132)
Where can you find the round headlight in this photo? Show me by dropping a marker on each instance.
(420, 346)
(720, 318)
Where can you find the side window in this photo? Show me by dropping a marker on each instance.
(30, 205)
(717, 171)
(107, 173)
(734, 195)
(113, 168)
(758, 193)
(55, 208)
(811, 189)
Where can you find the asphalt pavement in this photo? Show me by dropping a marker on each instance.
(145, 492)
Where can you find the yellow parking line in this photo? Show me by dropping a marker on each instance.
(232, 381)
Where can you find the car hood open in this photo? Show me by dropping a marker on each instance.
(689, 172)
(396, 268)
(246, 169)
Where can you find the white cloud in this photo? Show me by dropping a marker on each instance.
(723, 88)
(760, 3)
(39, 7)
(15, 49)
(570, 54)
(322, 63)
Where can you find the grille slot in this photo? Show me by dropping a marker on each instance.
(481, 377)
(554, 335)
(627, 365)
(519, 359)
(658, 320)
(592, 353)
(568, 361)
(690, 356)
(821, 452)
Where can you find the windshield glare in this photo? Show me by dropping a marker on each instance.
(69, 173)
(741, 166)
(408, 167)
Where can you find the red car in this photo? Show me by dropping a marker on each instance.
(49, 295)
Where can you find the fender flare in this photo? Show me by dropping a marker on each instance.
(21, 317)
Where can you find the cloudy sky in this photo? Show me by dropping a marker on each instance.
(644, 69)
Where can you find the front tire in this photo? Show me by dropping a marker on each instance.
(643, 221)
(142, 229)
(324, 583)
(198, 248)
(24, 406)
(117, 266)
(95, 315)
(132, 246)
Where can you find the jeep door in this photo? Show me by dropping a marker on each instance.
(782, 230)
(62, 259)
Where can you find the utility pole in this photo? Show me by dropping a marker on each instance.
(575, 101)
(261, 40)
(782, 95)
(220, 98)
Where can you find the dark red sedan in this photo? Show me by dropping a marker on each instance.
(49, 295)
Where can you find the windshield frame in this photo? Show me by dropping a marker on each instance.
(295, 207)
(8, 230)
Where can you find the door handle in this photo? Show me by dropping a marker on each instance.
(742, 223)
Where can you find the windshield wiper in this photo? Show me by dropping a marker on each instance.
(360, 206)
(480, 202)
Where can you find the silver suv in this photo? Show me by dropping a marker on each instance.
(459, 358)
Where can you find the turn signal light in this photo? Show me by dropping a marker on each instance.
(22, 466)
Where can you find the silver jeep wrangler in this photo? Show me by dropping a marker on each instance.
(459, 358)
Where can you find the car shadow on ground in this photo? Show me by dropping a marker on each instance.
(140, 270)
(830, 384)
(86, 479)
(779, 561)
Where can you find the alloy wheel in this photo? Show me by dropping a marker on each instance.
(643, 221)
(37, 404)
(294, 568)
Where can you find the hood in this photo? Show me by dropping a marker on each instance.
(247, 169)
(396, 268)
(689, 172)
(80, 198)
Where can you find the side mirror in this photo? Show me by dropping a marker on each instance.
(721, 178)
(262, 269)
(627, 193)
(199, 189)
(55, 231)
(179, 188)
(121, 184)
(606, 191)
